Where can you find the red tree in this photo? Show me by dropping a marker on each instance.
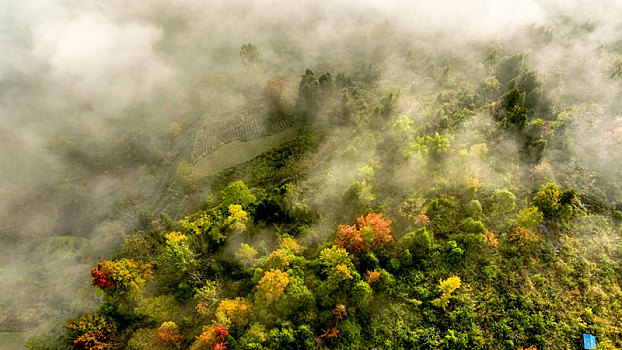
(221, 332)
(350, 238)
(371, 233)
(212, 337)
(380, 226)
(101, 279)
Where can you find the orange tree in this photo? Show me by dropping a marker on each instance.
(212, 337)
(169, 333)
(371, 232)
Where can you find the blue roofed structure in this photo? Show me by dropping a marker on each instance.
(589, 341)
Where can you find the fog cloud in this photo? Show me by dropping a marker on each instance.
(88, 89)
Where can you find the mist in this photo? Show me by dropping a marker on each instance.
(89, 92)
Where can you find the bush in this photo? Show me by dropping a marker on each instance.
(361, 294)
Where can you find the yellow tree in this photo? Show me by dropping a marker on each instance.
(337, 266)
(271, 286)
(236, 311)
(123, 277)
(238, 218)
(447, 287)
(290, 244)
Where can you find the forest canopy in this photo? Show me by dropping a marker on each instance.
(352, 176)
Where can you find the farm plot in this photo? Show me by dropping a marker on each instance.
(227, 100)
(237, 152)
(246, 126)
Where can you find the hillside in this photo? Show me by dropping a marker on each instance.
(326, 178)
(459, 215)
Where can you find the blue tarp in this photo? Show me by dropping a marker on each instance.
(589, 341)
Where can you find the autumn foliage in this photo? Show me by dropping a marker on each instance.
(522, 236)
(447, 287)
(370, 233)
(101, 279)
(121, 276)
(212, 337)
(373, 276)
(90, 332)
(169, 333)
(271, 286)
(236, 311)
(491, 239)
(340, 313)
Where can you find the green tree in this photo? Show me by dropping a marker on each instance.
(157, 309)
(237, 193)
(503, 201)
(180, 259)
(418, 242)
(185, 177)
(358, 197)
(337, 266)
(250, 55)
(554, 203)
(246, 254)
(529, 217)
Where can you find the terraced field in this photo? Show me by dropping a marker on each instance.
(245, 126)
(224, 100)
(234, 115)
(237, 152)
(236, 129)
